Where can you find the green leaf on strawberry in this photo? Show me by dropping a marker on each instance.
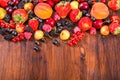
(63, 8)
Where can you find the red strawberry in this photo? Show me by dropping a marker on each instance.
(114, 28)
(27, 35)
(63, 8)
(33, 23)
(75, 15)
(114, 4)
(85, 23)
(4, 3)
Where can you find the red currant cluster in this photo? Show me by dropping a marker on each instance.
(76, 37)
(20, 37)
(7, 25)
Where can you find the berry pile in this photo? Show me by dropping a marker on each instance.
(68, 20)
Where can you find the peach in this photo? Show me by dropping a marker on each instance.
(43, 10)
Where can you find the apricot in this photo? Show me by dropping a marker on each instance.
(43, 10)
(99, 10)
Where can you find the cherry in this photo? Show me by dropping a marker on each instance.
(84, 6)
(9, 9)
(98, 23)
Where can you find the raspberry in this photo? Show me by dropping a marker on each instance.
(93, 31)
(47, 28)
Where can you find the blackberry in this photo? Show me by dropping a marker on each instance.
(107, 21)
(40, 26)
(46, 34)
(8, 37)
(63, 22)
(2, 31)
(31, 14)
(69, 23)
(36, 48)
(58, 24)
(21, 4)
(52, 33)
(55, 42)
(7, 17)
(59, 29)
(28, 0)
(28, 29)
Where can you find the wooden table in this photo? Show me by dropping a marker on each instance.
(95, 58)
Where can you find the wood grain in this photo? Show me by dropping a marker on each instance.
(95, 58)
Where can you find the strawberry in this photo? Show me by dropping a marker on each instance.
(27, 35)
(19, 16)
(63, 8)
(75, 15)
(115, 19)
(4, 3)
(85, 23)
(114, 28)
(114, 4)
(33, 23)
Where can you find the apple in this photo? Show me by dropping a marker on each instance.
(64, 35)
(39, 34)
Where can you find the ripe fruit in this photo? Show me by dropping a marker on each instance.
(84, 6)
(47, 28)
(20, 16)
(50, 21)
(51, 3)
(75, 15)
(99, 10)
(43, 10)
(114, 4)
(76, 29)
(27, 35)
(104, 30)
(4, 3)
(93, 31)
(63, 8)
(56, 16)
(2, 13)
(114, 28)
(64, 35)
(33, 23)
(74, 5)
(28, 6)
(20, 27)
(38, 34)
(98, 23)
(115, 19)
(85, 23)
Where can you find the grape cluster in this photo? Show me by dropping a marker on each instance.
(75, 38)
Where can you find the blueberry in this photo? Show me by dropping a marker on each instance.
(15, 7)
(84, 12)
(93, 18)
(55, 42)
(36, 48)
(59, 29)
(7, 18)
(10, 3)
(69, 23)
(90, 2)
(87, 14)
(2, 31)
(21, 4)
(58, 24)
(37, 42)
(28, 29)
(43, 40)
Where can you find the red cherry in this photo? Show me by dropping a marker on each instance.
(50, 21)
(98, 24)
(84, 6)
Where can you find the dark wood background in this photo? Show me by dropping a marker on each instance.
(95, 58)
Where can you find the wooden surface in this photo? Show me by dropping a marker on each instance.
(95, 58)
